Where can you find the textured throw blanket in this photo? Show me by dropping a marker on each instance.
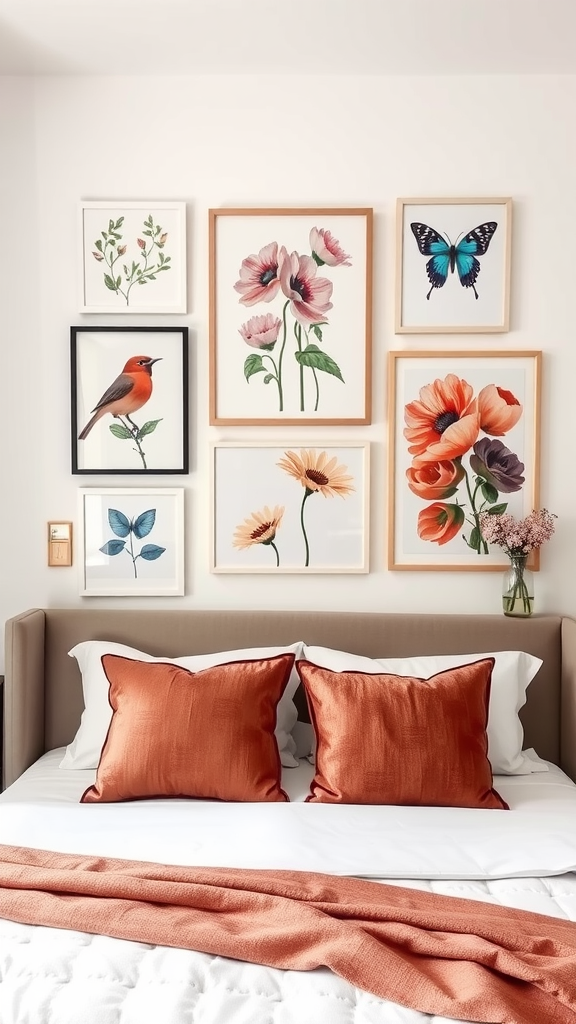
(437, 954)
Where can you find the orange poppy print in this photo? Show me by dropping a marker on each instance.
(440, 522)
(499, 410)
(450, 431)
(443, 423)
(433, 480)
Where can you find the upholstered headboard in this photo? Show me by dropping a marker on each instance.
(43, 694)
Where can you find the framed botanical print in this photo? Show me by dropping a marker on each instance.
(463, 440)
(290, 316)
(132, 541)
(132, 257)
(285, 508)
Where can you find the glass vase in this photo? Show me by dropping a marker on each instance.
(518, 587)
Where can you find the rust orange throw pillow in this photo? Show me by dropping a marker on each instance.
(386, 739)
(176, 733)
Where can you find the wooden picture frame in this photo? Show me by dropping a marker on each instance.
(453, 266)
(283, 508)
(481, 453)
(154, 439)
(290, 316)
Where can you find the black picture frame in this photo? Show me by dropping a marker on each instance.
(157, 427)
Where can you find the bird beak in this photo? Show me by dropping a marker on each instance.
(157, 360)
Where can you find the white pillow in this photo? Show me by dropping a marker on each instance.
(513, 671)
(86, 747)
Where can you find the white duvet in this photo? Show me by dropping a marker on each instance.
(524, 858)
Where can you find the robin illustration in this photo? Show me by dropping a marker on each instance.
(128, 393)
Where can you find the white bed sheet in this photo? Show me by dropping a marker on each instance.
(65, 976)
(537, 837)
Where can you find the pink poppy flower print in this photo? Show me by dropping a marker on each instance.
(259, 281)
(327, 249)
(309, 295)
(261, 331)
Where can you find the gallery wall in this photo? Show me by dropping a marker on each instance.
(273, 141)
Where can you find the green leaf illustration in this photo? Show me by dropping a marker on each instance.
(120, 431)
(475, 538)
(497, 510)
(314, 357)
(489, 492)
(317, 329)
(252, 365)
(109, 282)
(148, 428)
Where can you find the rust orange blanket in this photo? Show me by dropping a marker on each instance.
(437, 954)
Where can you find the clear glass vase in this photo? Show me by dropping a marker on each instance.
(518, 587)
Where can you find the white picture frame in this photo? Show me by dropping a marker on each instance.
(113, 525)
(267, 520)
(132, 257)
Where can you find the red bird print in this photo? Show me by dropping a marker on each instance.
(128, 393)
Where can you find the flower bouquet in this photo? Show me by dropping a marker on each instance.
(517, 537)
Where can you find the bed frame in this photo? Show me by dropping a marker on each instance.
(43, 693)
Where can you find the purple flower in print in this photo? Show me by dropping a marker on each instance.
(496, 464)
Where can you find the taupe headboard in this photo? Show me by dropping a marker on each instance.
(43, 695)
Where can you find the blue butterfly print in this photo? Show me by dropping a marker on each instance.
(446, 256)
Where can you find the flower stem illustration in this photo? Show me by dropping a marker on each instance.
(260, 528)
(128, 392)
(307, 297)
(149, 265)
(130, 528)
(318, 474)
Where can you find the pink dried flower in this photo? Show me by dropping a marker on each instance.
(518, 536)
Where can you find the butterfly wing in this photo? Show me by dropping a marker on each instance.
(475, 243)
(430, 243)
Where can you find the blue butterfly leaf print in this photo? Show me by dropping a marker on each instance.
(144, 523)
(112, 547)
(447, 256)
(150, 552)
(119, 523)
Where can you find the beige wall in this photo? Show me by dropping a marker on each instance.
(273, 141)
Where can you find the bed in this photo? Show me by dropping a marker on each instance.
(524, 858)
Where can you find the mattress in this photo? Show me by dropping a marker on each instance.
(524, 858)
(537, 837)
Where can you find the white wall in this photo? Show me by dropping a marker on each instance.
(275, 141)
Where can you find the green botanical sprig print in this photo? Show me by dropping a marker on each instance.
(151, 259)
